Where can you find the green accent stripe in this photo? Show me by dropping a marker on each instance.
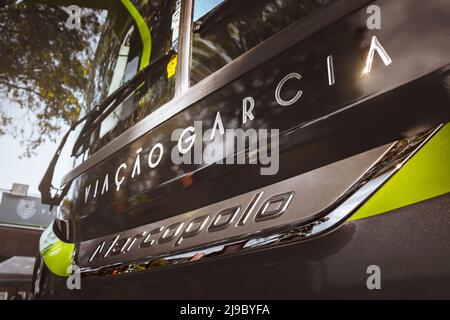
(426, 175)
(144, 31)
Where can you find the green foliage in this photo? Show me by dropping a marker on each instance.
(44, 69)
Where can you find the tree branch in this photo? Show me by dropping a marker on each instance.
(22, 88)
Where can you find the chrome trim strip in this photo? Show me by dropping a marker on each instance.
(235, 69)
(390, 162)
(296, 200)
(17, 226)
(184, 48)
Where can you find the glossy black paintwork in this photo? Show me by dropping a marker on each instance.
(235, 27)
(399, 100)
(392, 102)
(410, 245)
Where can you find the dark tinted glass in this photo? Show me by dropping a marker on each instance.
(152, 94)
(229, 28)
(129, 42)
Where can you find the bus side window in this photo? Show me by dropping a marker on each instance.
(225, 29)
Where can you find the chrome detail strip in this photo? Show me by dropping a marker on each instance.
(184, 48)
(17, 226)
(391, 160)
(235, 69)
(296, 200)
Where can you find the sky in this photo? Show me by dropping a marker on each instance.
(31, 170)
(27, 170)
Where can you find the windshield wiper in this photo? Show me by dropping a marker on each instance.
(113, 100)
(93, 118)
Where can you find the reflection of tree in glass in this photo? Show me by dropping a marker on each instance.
(236, 27)
(43, 69)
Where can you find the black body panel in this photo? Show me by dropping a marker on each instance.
(409, 244)
(326, 124)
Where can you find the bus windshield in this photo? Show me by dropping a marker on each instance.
(134, 34)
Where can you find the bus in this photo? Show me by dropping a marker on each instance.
(272, 149)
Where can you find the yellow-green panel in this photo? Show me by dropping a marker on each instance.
(424, 176)
(57, 255)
